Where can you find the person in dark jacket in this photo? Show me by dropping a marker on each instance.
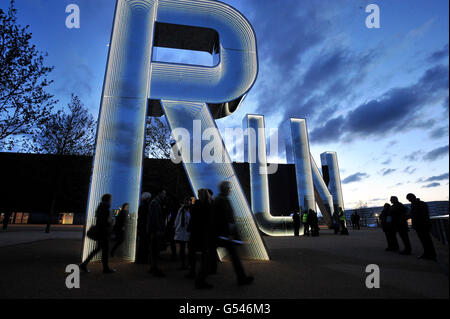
(103, 229)
(313, 222)
(225, 227)
(142, 238)
(156, 228)
(336, 222)
(420, 218)
(200, 238)
(296, 222)
(400, 223)
(388, 228)
(119, 227)
(357, 220)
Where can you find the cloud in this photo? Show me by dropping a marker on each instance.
(441, 177)
(414, 156)
(439, 132)
(387, 171)
(355, 178)
(436, 153)
(409, 170)
(394, 111)
(438, 55)
(388, 161)
(431, 185)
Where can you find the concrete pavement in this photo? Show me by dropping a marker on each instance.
(330, 266)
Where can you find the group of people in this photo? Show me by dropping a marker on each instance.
(355, 219)
(394, 219)
(199, 226)
(310, 223)
(340, 222)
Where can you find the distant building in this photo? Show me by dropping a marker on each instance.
(32, 182)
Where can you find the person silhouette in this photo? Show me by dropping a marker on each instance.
(226, 229)
(399, 221)
(102, 225)
(296, 223)
(420, 218)
(388, 228)
(155, 228)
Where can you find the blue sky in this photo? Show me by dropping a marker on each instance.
(379, 97)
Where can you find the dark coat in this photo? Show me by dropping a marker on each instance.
(103, 222)
(223, 216)
(200, 226)
(385, 213)
(142, 218)
(399, 216)
(296, 219)
(420, 215)
(155, 218)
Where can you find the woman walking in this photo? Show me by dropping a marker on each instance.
(182, 234)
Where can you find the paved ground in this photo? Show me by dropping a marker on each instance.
(19, 234)
(326, 267)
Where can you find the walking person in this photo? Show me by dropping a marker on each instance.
(182, 235)
(313, 222)
(400, 223)
(200, 238)
(388, 228)
(357, 221)
(102, 234)
(296, 223)
(421, 224)
(119, 227)
(142, 238)
(336, 222)
(225, 227)
(156, 229)
(6, 218)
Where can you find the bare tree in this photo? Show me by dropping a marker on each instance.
(71, 133)
(157, 138)
(23, 80)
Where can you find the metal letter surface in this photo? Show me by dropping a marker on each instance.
(184, 92)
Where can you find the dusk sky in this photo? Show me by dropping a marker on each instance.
(379, 97)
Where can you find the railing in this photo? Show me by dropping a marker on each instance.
(439, 228)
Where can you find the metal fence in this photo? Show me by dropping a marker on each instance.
(439, 228)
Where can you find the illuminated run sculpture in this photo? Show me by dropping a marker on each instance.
(332, 177)
(310, 184)
(135, 86)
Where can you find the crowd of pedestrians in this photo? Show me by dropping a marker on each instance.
(199, 227)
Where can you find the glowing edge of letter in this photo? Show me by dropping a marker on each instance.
(259, 186)
(131, 79)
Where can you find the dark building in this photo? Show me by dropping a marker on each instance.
(37, 184)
